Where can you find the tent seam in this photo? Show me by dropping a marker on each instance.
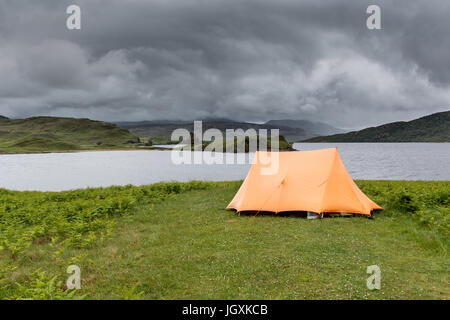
(328, 179)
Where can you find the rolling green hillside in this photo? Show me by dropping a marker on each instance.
(43, 134)
(431, 128)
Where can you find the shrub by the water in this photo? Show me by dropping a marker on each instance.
(404, 202)
(425, 202)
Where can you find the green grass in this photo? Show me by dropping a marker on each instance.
(45, 134)
(161, 140)
(176, 241)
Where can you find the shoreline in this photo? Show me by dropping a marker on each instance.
(103, 150)
(212, 182)
(86, 150)
(150, 148)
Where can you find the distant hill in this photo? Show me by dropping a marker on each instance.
(160, 131)
(41, 134)
(431, 128)
(3, 117)
(310, 127)
(292, 130)
(149, 123)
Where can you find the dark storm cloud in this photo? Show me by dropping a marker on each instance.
(241, 59)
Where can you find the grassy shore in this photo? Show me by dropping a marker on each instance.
(99, 149)
(55, 134)
(176, 241)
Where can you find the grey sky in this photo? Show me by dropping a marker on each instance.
(251, 60)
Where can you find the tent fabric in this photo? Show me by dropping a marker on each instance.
(314, 181)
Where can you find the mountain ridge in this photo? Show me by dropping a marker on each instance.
(315, 128)
(430, 128)
(292, 130)
(162, 130)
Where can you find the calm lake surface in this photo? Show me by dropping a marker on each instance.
(64, 171)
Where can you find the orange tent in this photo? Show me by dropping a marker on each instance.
(314, 181)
